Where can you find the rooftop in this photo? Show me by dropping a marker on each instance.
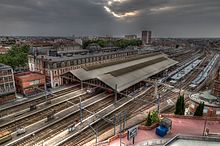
(88, 68)
(73, 51)
(55, 59)
(205, 97)
(193, 141)
(28, 75)
(126, 74)
(3, 66)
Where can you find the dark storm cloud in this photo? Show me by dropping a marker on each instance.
(167, 18)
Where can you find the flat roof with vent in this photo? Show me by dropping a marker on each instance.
(126, 73)
(186, 140)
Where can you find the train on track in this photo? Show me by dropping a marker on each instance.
(97, 90)
(5, 136)
(20, 131)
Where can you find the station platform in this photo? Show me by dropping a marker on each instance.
(20, 99)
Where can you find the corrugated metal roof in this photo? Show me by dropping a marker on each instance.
(130, 77)
(128, 69)
(119, 62)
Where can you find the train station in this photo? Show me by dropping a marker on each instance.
(131, 96)
(124, 77)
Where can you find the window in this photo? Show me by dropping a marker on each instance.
(71, 62)
(68, 63)
(63, 64)
(83, 61)
(205, 110)
(54, 65)
(87, 60)
(79, 61)
(217, 112)
(75, 62)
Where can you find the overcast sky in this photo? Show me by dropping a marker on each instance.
(166, 18)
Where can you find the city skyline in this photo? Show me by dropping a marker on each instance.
(171, 18)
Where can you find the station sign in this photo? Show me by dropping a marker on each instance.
(132, 132)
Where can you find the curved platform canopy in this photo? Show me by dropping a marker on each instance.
(126, 73)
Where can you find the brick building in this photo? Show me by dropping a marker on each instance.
(7, 84)
(29, 83)
(4, 49)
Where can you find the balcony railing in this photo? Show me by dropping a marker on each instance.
(5, 81)
(5, 74)
(6, 91)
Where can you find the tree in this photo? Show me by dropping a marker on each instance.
(199, 109)
(149, 121)
(180, 106)
(16, 56)
(122, 43)
(203, 105)
(196, 113)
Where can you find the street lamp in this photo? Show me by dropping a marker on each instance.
(206, 119)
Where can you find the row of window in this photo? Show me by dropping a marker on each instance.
(86, 60)
(5, 72)
(62, 71)
(6, 79)
(6, 87)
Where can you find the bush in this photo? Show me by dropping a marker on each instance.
(152, 118)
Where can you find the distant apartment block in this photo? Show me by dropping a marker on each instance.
(7, 84)
(146, 37)
(4, 49)
(131, 37)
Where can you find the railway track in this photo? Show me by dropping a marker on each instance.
(88, 135)
(131, 109)
(60, 126)
(11, 126)
(27, 104)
